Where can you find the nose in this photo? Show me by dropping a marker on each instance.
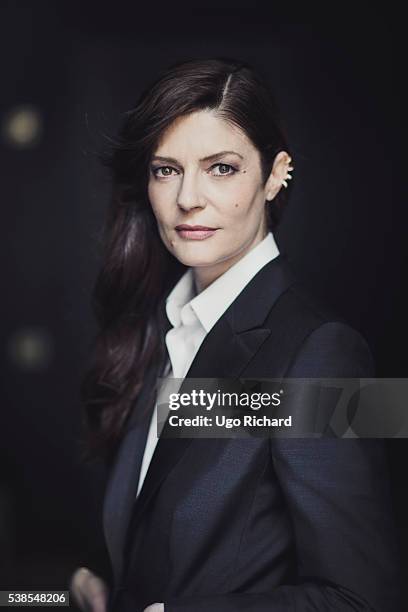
(189, 196)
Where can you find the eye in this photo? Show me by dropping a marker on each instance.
(166, 171)
(222, 168)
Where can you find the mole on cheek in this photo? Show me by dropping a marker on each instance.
(236, 205)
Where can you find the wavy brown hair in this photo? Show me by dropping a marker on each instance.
(137, 270)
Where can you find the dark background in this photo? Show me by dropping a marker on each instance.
(78, 67)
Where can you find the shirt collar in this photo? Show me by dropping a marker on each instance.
(181, 295)
(213, 301)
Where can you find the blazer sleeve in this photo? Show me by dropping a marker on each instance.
(338, 498)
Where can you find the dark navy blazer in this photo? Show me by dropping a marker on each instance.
(256, 525)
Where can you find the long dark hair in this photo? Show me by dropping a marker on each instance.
(137, 270)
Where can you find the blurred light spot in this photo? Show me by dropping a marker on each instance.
(31, 348)
(22, 127)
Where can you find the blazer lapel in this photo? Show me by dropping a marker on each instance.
(224, 353)
(124, 476)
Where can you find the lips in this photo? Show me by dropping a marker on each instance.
(195, 232)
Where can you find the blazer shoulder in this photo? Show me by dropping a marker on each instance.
(309, 303)
(330, 346)
(302, 299)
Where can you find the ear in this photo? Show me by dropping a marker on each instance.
(282, 164)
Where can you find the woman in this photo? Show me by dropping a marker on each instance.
(193, 285)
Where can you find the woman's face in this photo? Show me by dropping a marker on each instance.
(206, 172)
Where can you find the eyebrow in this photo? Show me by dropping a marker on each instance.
(203, 159)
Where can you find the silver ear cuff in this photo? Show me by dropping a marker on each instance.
(288, 176)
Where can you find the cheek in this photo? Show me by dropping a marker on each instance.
(243, 203)
(156, 202)
(152, 194)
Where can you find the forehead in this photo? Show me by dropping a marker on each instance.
(203, 133)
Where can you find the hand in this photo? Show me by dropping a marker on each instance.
(156, 607)
(89, 591)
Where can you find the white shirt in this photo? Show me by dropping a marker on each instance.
(192, 316)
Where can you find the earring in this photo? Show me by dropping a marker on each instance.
(288, 176)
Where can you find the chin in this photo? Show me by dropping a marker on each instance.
(196, 260)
